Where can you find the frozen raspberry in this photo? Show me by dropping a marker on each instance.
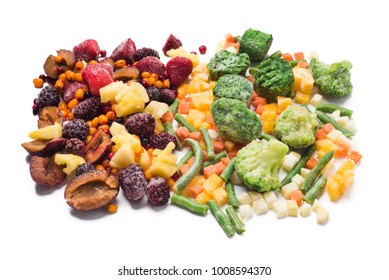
(132, 181)
(153, 93)
(48, 97)
(83, 168)
(126, 50)
(141, 124)
(168, 95)
(69, 90)
(88, 109)
(178, 70)
(171, 43)
(74, 146)
(160, 140)
(76, 128)
(152, 65)
(143, 52)
(157, 191)
(87, 50)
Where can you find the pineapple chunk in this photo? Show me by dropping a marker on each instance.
(280, 209)
(164, 164)
(139, 89)
(244, 198)
(156, 109)
(182, 52)
(144, 160)
(47, 133)
(71, 161)
(292, 208)
(260, 206)
(322, 215)
(305, 209)
(123, 157)
(117, 128)
(270, 197)
(288, 188)
(109, 92)
(129, 103)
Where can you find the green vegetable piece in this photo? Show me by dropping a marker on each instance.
(174, 106)
(312, 175)
(189, 204)
(316, 189)
(168, 126)
(231, 195)
(235, 87)
(296, 127)
(181, 120)
(208, 143)
(235, 220)
(255, 43)
(184, 180)
(221, 218)
(258, 163)
(216, 159)
(226, 174)
(273, 77)
(327, 119)
(330, 108)
(267, 136)
(225, 62)
(333, 79)
(185, 158)
(234, 121)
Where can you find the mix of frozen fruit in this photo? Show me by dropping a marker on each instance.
(113, 122)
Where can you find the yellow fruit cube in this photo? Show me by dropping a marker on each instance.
(269, 116)
(302, 98)
(202, 101)
(123, 157)
(182, 90)
(156, 109)
(333, 189)
(303, 80)
(47, 133)
(201, 68)
(197, 85)
(272, 107)
(164, 164)
(71, 161)
(324, 146)
(213, 182)
(203, 197)
(109, 92)
(219, 195)
(268, 126)
(283, 103)
(182, 52)
(197, 180)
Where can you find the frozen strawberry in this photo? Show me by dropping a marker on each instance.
(178, 70)
(97, 76)
(87, 50)
(152, 65)
(172, 42)
(126, 50)
(69, 90)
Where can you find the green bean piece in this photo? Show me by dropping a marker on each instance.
(327, 119)
(189, 204)
(316, 189)
(184, 180)
(312, 175)
(216, 159)
(185, 158)
(330, 108)
(208, 143)
(221, 218)
(232, 199)
(174, 106)
(277, 54)
(181, 120)
(299, 165)
(295, 62)
(168, 126)
(226, 174)
(267, 136)
(235, 220)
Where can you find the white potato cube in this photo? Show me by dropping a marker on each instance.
(305, 209)
(304, 172)
(334, 135)
(280, 209)
(354, 145)
(351, 126)
(298, 179)
(290, 161)
(288, 188)
(231, 49)
(260, 206)
(245, 211)
(315, 205)
(345, 140)
(327, 170)
(213, 134)
(292, 207)
(244, 198)
(335, 114)
(322, 215)
(270, 197)
(343, 120)
(316, 99)
(234, 178)
(255, 195)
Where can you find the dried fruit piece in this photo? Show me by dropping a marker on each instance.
(87, 50)
(91, 190)
(125, 50)
(126, 74)
(49, 115)
(44, 148)
(172, 42)
(151, 64)
(44, 171)
(51, 66)
(97, 76)
(98, 147)
(178, 70)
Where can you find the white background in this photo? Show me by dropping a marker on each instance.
(42, 238)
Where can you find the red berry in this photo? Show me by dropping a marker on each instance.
(103, 53)
(203, 49)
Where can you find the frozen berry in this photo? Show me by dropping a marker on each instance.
(76, 128)
(143, 52)
(87, 50)
(125, 50)
(141, 124)
(202, 49)
(74, 146)
(97, 76)
(83, 168)
(153, 93)
(157, 191)
(48, 96)
(160, 140)
(168, 95)
(88, 109)
(132, 181)
(179, 69)
(172, 42)
(151, 64)
(69, 90)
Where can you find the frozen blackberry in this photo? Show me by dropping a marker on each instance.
(168, 95)
(74, 146)
(133, 182)
(48, 96)
(88, 109)
(153, 93)
(157, 191)
(141, 124)
(160, 140)
(143, 52)
(76, 128)
(83, 168)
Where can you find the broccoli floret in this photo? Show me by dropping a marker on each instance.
(333, 79)
(258, 164)
(273, 77)
(235, 87)
(225, 62)
(234, 121)
(296, 127)
(255, 43)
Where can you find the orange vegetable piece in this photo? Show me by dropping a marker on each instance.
(182, 132)
(167, 117)
(184, 168)
(298, 55)
(355, 156)
(195, 190)
(311, 163)
(297, 196)
(342, 151)
(287, 56)
(195, 135)
(302, 64)
(218, 146)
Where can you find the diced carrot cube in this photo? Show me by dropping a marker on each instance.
(342, 151)
(297, 196)
(302, 64)
(207, 171)
(182, 132)
(259, 109)
(287, 56)
(195, 135)
(251, 79)
(167, 117)
(327, 127)
(311, 163)
(184, 168)
(321, 134)
(225, 161)
(355, 156)
(218, 146)
(195, 190)
(229, 38)
(298, 55)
